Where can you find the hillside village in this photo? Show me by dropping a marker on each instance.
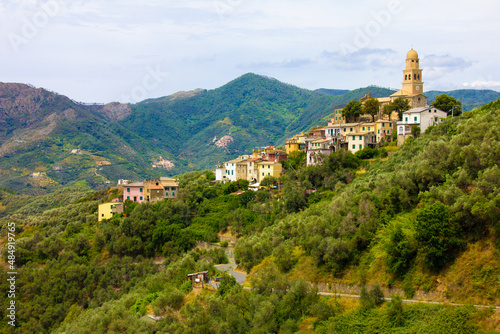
(346, 131)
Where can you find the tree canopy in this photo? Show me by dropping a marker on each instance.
(371, 107)
(352, 110)
(449, 104)
(399, 105)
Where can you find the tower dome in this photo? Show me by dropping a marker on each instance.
(412, 54)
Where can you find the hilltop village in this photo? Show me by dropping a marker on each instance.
(367, 123)
(349, 129)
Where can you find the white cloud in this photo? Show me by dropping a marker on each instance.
(363, 59)
(439, 66)
(482, 84)
(93, 50)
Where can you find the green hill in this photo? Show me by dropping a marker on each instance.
(39, 130)
(422, 223)
(254, 110)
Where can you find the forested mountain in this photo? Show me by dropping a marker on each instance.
(39, 130)
(420, 223)
(253, 110)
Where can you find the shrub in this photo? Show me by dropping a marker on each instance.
(438, 235)
(371, 299)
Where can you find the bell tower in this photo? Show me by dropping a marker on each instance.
(412, 75)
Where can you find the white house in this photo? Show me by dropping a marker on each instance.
(321, 145)
(358, 141)
(220, 173)
(422, 117)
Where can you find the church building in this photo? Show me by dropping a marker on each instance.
(413, 86)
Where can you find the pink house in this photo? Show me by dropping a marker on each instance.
(134, 192)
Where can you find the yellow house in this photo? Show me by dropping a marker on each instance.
(107, 210)
(348, 128)
(292, 145)
(337, 117)
(384, 129)
(269, 168)
(366, 127)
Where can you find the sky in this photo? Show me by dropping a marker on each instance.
(108, 50)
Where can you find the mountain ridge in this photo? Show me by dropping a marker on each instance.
(40, 128)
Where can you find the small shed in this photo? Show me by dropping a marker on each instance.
(198, 278)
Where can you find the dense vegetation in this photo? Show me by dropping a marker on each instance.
(425, 219)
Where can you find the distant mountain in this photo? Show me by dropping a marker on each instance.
(332, 92)
(470, 98)
(47, 140)
(40, 129)
(254, 110)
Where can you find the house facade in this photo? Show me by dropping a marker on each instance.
(359, 141)
(422, 117)
(269, 168)
(317, 148)
(384, 129)
(134, 192)
(253, 170)
(107, 210)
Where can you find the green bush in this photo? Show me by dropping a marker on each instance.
(439, 235)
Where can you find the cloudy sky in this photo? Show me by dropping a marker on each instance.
(110, 50)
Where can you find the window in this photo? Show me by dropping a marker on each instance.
(173, 194)
(360, 146)
(406, 119)
(103, 215)
(128, 197)
(128, 190)
(232, 172)
(140, 190)
(269, 174)
(351, 129)
(430, 110)
(390, 125)
(435, 111)
(262, 173)
(140, 198)
(415, 119)
(353, 147)
(383, 124)
(363, 128)
(378, 131)
(353, 137)
(111, 206)
(268, 166)
(369, 128)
